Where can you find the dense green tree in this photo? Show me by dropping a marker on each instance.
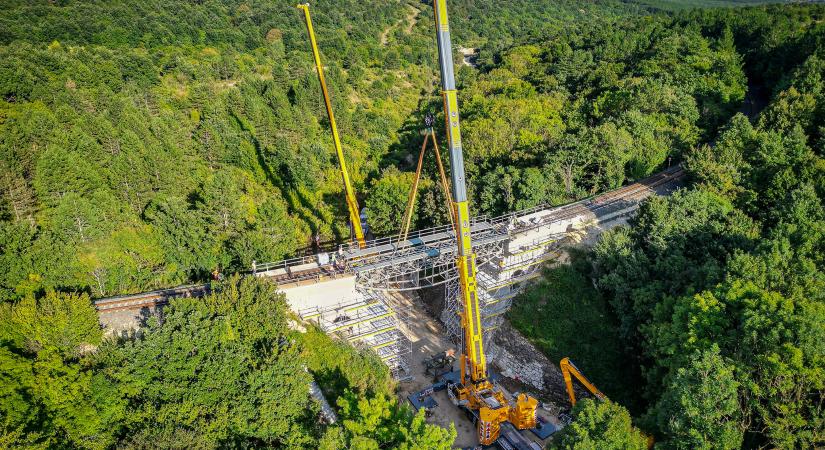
(564, 315)
(223, 370)
(221, 367)
(388, 200)
(676, 245)
(216, 105)
(50, 397)
(600, 425)
(380, 422)
(700, 408)
(746, 280)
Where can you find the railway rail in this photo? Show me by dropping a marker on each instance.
(149, 299)
(311, 268)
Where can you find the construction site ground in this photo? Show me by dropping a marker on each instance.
(428, 337)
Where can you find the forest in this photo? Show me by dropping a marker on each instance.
(148, 144)
(706, 315)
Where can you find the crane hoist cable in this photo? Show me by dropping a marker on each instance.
(352, 202)
(475, 391)
(405, 223)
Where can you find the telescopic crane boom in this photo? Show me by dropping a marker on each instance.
(352, 202)
(476, 392)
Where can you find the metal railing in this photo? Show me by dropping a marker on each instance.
(390, 246)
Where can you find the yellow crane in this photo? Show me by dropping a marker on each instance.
(352, 202)
(475, 391)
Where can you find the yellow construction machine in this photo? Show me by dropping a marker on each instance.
(352, 202)
(475, 391)
(569, 370)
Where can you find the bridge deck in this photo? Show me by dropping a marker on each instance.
(382, 253)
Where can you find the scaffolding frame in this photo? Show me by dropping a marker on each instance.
(372, 323)
(427, 258)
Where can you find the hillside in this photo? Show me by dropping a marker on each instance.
(146, 144)
(692, 314)
(146, 153)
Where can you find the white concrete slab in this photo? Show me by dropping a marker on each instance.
(330, 292)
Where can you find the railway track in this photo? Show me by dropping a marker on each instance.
(633, 192)
(149, 299)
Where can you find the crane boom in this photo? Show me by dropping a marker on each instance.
(475, 392)
(466, 260)
(567, 368)
(352, 202)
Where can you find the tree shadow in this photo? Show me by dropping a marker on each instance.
(291, 193)
(410, 137)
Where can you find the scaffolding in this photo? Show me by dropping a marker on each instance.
(427, 258)
(369, 322)
(492, 312)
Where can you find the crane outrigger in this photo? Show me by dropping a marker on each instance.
(475, 391)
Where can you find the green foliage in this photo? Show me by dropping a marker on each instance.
(599, 425)
(50, 397)
(388, 200)
(339, 368)
(146, 145)
(221, 368)
(582, 110)
(676, 245)
(222, 371)
(719, 289)
(370, 423)
(700, 408)
(677, 5)
(564, 315)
